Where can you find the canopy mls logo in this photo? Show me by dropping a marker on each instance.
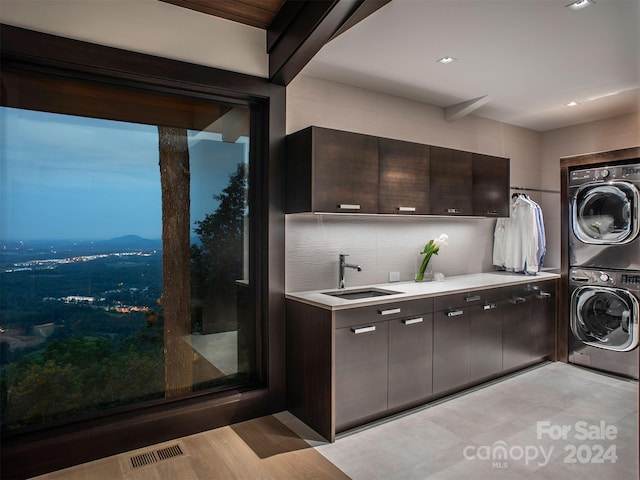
(500, 453)
(595, 446)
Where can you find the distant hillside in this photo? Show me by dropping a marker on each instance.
(129, 242)
(21, 251)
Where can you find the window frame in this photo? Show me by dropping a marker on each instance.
(43, 450)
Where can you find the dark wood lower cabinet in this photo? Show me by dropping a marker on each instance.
(529, 324)
(516, 331)
(467, 336)
(362, 362)
(382, 366)
(410, 360)
(451, 349)
(485, 333)
(343, 372)
(467, 345)
(543, 315)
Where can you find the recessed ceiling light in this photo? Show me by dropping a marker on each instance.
(580, 4)
(447, 60)
(572, 104)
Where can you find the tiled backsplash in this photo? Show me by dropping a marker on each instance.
(380, 244)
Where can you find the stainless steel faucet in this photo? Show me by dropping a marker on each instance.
(344, 265)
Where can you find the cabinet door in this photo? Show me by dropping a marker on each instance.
(451, 182)
(543, 320)
(490, 186)
(516, 332)
(451, 354)
(361, 372)
(485, 340)
(410, 359)
(403, 170)
(345, 172)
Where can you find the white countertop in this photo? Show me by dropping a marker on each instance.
(416, 290)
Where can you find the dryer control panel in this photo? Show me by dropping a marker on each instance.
(630, 279)
(629, 173)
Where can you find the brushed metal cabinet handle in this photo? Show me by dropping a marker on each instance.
(489, 306)
(472, 298)
(543, 295)
(370, 328)
(348, 206)
(518, 300)
(413, 321)
(492, 212)
(453, 210)
(406, 209)
(390, 311)
(455, 313)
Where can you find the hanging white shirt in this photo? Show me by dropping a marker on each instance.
(516, 239)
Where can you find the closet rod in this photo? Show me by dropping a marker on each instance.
(534, 189)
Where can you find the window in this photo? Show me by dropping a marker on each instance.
(126, 240)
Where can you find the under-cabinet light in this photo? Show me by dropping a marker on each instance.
(572, 104)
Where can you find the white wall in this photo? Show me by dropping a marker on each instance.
(381, 245)
(147, 26)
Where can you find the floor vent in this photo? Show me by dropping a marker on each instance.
(156, 456)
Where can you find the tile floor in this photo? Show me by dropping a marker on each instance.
(510, 429)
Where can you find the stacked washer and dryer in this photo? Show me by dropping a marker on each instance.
(604, 266)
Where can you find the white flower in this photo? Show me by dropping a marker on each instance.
(431, 248)
(441, 240)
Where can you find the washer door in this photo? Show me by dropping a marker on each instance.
(606, 214)
(605, 317)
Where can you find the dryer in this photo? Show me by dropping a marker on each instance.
(605, 310)
(604, 229)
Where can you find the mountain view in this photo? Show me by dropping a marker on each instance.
(70, 310)
(82, 327)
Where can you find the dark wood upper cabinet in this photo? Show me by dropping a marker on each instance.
(332, 171)
(490, 186)
(403, 169)
(451, 182)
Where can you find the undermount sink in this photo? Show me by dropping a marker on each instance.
(354, 294)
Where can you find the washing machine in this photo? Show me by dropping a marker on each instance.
(604, 229)
(605, 310)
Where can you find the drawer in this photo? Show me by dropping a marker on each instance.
(383, 311)
(543, 288)
(524, 290)
(465, 299)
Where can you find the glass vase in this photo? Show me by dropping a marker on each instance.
(428, 272)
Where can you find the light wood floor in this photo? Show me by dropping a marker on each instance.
(260, 449)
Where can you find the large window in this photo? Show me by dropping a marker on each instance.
(125, 249)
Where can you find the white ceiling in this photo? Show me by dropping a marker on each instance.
(530, 57)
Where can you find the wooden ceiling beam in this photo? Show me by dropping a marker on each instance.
(257, 13)
(301, 29)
